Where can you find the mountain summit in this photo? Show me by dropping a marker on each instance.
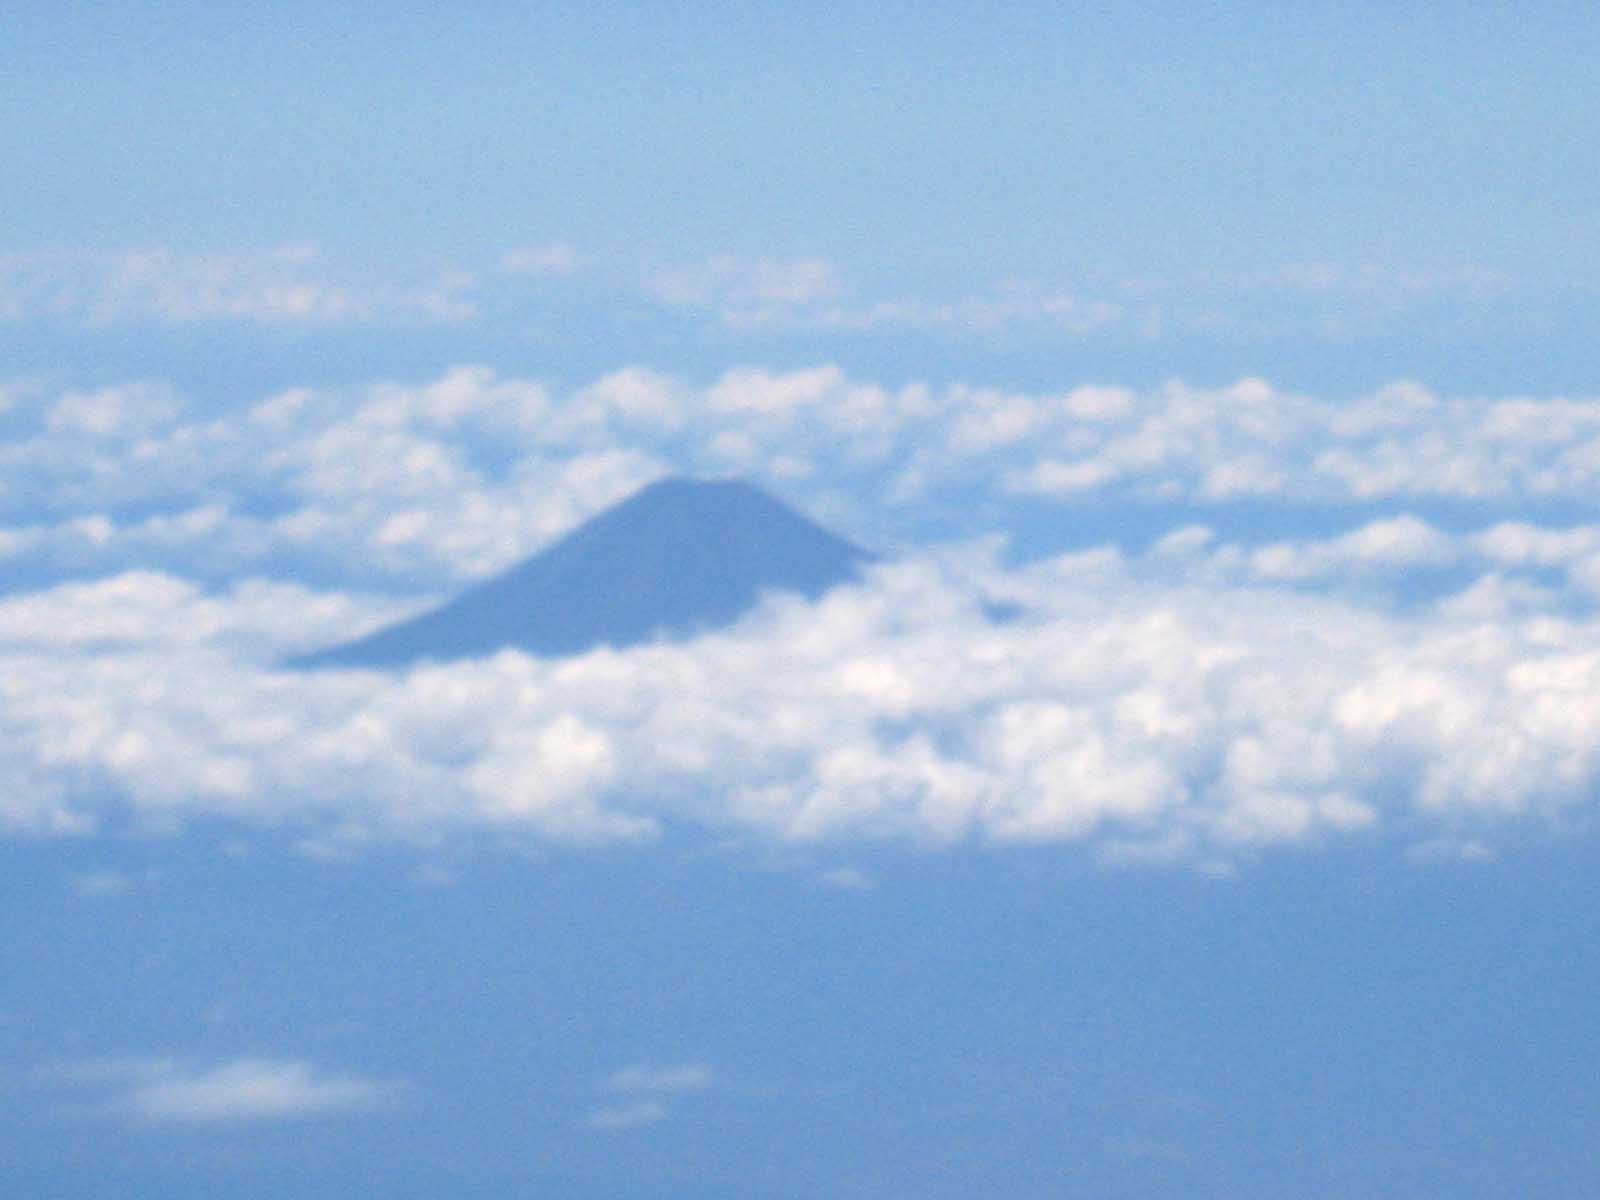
(678, 557)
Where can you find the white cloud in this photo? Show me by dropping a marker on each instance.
(172, 1092)
(114, 411)
(149, 609)
(1396, 543)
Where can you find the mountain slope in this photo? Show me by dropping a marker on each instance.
(678, 557)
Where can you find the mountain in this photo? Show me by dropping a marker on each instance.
(678, 557)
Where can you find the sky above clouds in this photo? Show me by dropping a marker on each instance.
(1196, 797)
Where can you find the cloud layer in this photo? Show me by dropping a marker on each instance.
(1200, 699)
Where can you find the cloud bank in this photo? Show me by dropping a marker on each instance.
(1202, 699)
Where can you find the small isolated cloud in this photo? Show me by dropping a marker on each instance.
(645, 1094)
(172, 1092)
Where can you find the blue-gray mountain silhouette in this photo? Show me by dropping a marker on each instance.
(678, 557)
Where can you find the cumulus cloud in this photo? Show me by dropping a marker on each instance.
(444, 481)
(174, 1092)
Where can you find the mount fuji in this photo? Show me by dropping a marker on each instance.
(678, 557)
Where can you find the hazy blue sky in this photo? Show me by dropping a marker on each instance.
(1196, 799)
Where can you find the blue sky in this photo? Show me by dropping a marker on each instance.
(1197, 798)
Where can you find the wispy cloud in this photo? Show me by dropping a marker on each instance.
(284, 285)
(657, 1080)
(648, 1093)
(173, 1092)
(749, 292)
(299, 286)
(812, 294)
